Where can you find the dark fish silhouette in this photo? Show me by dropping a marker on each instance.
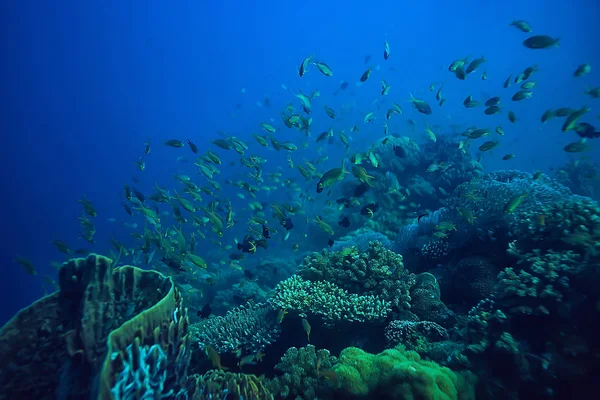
(344, 222)
(204, 312)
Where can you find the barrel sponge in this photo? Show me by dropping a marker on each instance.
(31, 350)
(164, 323)
(64, 341)
(400, 374)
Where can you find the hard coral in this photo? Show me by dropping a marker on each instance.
(539, 283)
(361, 239)
(376, 272)
(248, 328)
(486, 197)
(399, 374)
(470, 280)
(304, 373)
(227, 385)
(414, 335)
(327, 301)
(426, 302)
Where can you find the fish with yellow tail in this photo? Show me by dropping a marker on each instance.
(361, 174)
(214, 357)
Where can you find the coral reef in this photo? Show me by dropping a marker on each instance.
(33, 349)
(144, 374)
(581, 177)
(418, 236)
(485, 326)
(414, 335)
(426, 301)
(328, 301)
(487, 197)
(227, 385)
(374, 272)
(361, 239)
(248, 328)
(305, 373)
(470, 280)
(540, 284)
(399, 374)
(90, 324)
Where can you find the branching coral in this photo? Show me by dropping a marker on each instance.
(305, 373)
(484, 327)
(572, 222)
(376, 272)
(327, 301)
(540, 283)
(248, 328)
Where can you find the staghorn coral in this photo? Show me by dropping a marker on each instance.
(375, 272)
(90, 321)
(304, 371)
(248, 328)
(327, 301)
(414, 335)
(227, 385)
(399, 374)
(540, 285)
(426, 302)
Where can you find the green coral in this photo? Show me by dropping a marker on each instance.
(400, 374)
(327, 301)
(376, 272)
(303, 373)
(540, 284)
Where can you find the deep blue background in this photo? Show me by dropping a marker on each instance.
(85, 83)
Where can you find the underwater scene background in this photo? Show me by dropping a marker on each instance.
(239, 200)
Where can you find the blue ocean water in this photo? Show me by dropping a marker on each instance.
(85, 84)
